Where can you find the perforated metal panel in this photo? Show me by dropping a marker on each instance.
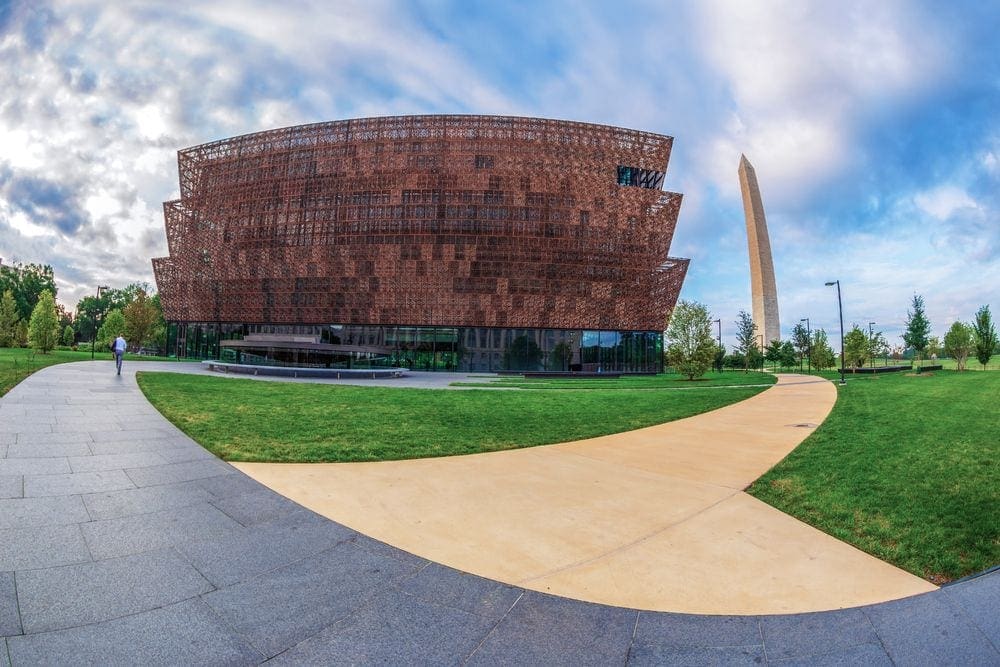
(425, 220)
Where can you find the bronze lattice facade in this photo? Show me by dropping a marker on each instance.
(422, 223)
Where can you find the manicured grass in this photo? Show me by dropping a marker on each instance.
(662, 381)
(18, 363)
(907, 468)
(248, 420)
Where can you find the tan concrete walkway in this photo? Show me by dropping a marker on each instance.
(652, 519)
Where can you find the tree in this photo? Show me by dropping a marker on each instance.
(958, 343)
(788, 358)
(21, 335)
(918, 327)
(27, 282)
(8, 319)
(746, 339)
(43, 329)
(141, 319)
(69, 336)
(692, 349)
(800, 339)
(857, 347)
(877, 345)
(773, 352)
(820, 353)
(985, 335)
(114, 324)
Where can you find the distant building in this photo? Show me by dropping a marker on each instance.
(763, 289)
(432, 242)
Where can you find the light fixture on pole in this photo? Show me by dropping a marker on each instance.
(840, 308)
(719, 322)
(871, 341)
(809, 344)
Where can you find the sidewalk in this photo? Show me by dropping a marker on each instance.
(123, 542)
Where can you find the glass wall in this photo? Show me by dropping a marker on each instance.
(461, 349)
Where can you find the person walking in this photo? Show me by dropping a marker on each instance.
(119, 348)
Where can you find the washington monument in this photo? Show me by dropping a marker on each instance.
(762, 286)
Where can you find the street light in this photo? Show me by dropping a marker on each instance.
(93, 338)
(719, 322)
(871, 341)
(840, 308)
(809, 345)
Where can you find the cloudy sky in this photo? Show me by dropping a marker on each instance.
(874, 127)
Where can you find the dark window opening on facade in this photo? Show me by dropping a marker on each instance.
(641, 178)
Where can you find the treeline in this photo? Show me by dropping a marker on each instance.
(30, 316)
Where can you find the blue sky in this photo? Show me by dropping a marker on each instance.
(873, 127)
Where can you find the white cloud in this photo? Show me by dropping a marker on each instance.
(943, 201)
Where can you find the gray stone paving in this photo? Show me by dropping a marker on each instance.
(124, 542)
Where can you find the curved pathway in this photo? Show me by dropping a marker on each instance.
(123, 542)
(652, 519)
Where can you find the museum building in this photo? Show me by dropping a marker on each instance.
(469, 243)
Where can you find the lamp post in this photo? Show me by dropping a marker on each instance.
(93, 338)
(719, 322)
(840, 308)
(871, 341)
(809, 345)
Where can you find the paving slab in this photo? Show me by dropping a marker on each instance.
(547, 630)
(11, 486)
(48, 511)
(410, 631)
(76, 483)
(24, 450)
(95, 462)
(129, 502)
(171, 473)
(281, 608)
(73, 595)
(42, 546)
(187, 633)
(145, 532)
(10, 619)
(34, 466)
(227, 558)
(979, 600)
(259, 506)
(926, 629)
(802, 636)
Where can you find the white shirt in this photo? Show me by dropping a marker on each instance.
(120, 344)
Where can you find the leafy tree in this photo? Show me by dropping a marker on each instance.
(821, 354)
(918, 327)
(691, 349)
(746, 339)
(788, 357)
(114, 324)
(959, 343)
(877, 345)
(43, 329)
(68, 336)
(21, 335)
(857, 347)
(800, 340)
(27, 282)
(985, 335)
(141, 320)
(8, 319)
(934, 348)
(773, 352)
(720, 357)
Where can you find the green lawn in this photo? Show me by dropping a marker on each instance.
(248, 420)
(18, 363)
(907, 467)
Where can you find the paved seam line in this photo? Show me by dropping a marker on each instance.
(492, 630)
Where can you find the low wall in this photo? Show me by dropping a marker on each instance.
(292, 371)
